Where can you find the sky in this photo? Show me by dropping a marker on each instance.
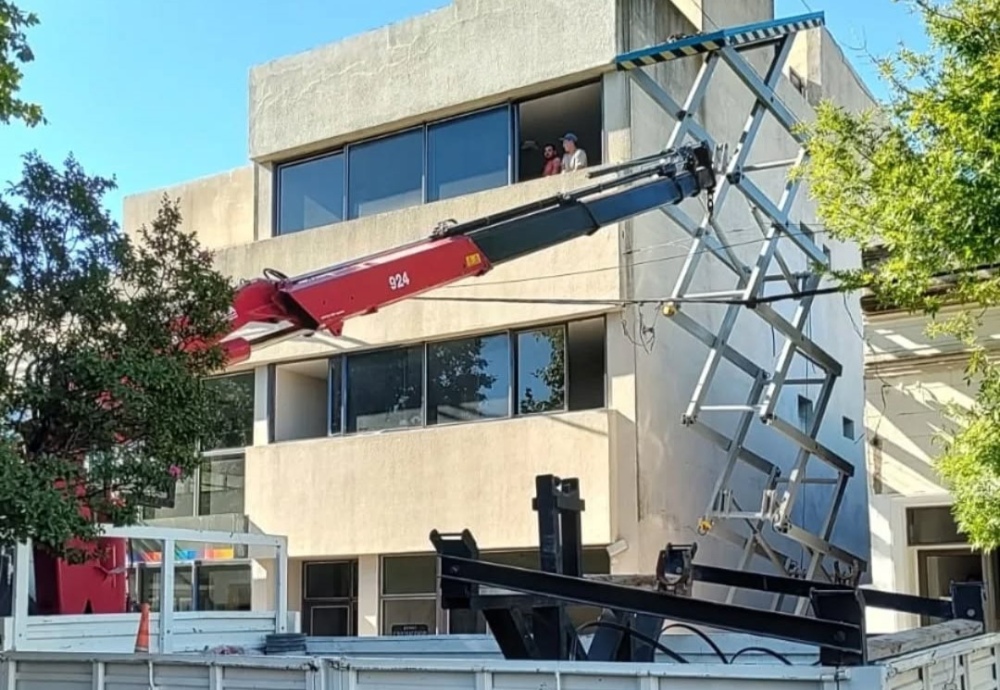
(154, 92)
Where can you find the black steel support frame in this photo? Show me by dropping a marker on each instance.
(534, 624)
(676, 572)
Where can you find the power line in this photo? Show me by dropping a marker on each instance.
(752, 302)
(646, 262)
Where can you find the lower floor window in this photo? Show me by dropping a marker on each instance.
(198, 586)
(330, 598)
(409, 601)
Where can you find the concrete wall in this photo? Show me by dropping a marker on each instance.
(677, 467)
(301, 404)
(220, 207)
(384, 493)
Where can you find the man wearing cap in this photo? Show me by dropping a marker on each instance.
(574, 157)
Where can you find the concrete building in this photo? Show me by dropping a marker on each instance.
(913, 379)
(361, 444)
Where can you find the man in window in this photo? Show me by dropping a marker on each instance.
(575, 158)
(553, 166)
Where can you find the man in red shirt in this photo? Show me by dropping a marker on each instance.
(553, 165)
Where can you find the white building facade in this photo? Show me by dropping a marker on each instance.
(361, 444)
(913, 380)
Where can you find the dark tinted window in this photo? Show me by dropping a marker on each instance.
(468, 379)
(541, 370)
(932, 525)
(468, 154)
(586, 364)
(235, 422)
(311, 194)
(385, 389)
(330, 580)
(221, 486)
(386, 174)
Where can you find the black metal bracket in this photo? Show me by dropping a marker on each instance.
(676, 569)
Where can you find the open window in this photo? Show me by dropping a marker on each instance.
(301, 394)
(546, 119)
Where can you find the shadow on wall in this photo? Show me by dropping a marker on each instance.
(905, 421)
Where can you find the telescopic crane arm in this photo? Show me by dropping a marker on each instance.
(325, 299)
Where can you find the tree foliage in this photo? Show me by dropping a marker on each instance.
(14, 53)
(921, 175)
(102, 406)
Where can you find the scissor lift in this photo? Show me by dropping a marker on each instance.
(781, 235)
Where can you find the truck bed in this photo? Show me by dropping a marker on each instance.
(970, 664)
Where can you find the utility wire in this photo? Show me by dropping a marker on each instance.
(618, 267)
(767, 299)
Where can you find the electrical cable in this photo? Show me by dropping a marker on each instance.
(762, 650)
(634, 633)
(767, 299)
(618, 267)
(708, 640)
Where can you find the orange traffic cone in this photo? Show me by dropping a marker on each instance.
(142, 637)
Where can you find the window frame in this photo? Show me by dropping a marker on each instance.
(511, 106)
(337, 376)
(194, 570)
(350, 602)
(276, 186)
(375, 140)
(440, 615)
(516, 347)
(510, 109)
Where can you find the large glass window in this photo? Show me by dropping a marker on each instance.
(386, 174)
(330, 598)
(224, 587)
(310, 194)
(236, 419)
(492, 376)
(409, 599)
(220, 485)
(216, 487)
(440, 160)
(541, 370)
(199, 586)
(385, 389)
(468, 379)
(468, 154)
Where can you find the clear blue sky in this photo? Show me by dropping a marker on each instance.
(154, 92)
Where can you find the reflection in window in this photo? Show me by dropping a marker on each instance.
(541, 370)
(386, 174)
(235, 423)
(223, 588)
(468, 379)
(385, 389)
(311, 194)
(468, 154)
(220, 490)
(219, 587)
(183, 502)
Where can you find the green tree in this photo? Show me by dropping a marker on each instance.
(103, 407)
(14, 53)
(920, 176)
